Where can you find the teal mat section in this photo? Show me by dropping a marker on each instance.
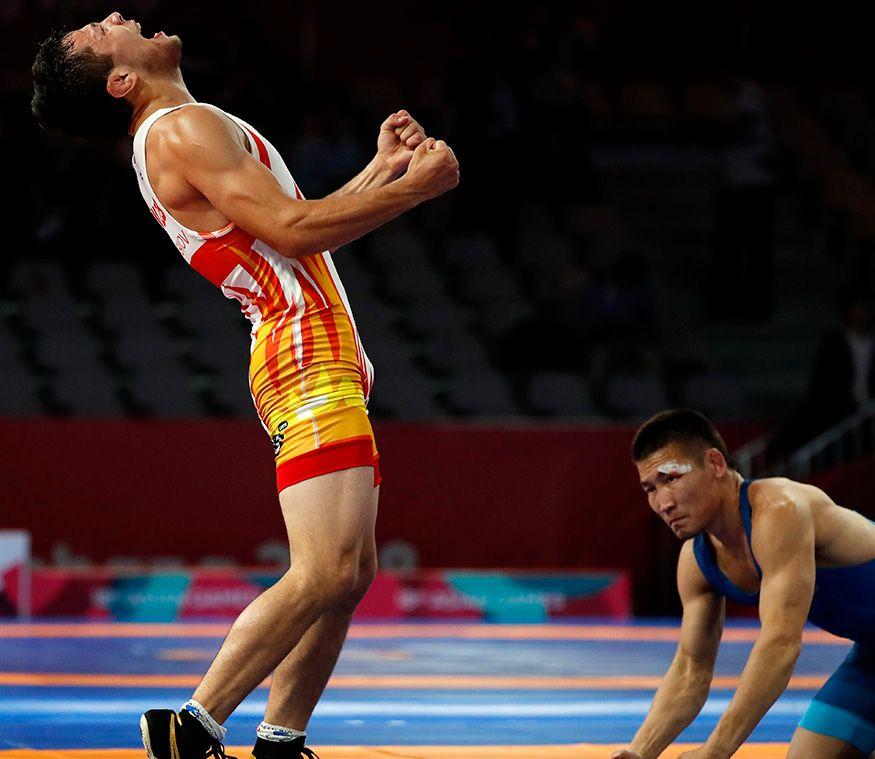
(148, 598)
(506, 598)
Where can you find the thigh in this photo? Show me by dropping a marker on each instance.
(369, 534)
(843, 709)
(316, 416)
(330, 518)
(806, 744)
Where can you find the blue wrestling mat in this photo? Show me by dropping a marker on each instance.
(72, 686)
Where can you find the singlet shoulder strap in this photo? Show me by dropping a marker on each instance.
(143, 129)
(139, 162)
(744, 508)
(705, 560)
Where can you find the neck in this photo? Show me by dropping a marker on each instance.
(158, 93)
(726, 526)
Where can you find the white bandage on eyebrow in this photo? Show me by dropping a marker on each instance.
(673, 467)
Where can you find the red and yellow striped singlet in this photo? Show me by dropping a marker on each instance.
(308, 373)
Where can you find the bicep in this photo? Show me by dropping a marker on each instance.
(784, 542)
(236, 184)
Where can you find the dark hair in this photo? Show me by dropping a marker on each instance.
(69, 92)
(683, 426)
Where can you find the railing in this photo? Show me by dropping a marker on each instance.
(751, 458)
(850, 439)
(846, 441)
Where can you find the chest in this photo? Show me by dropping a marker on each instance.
(738, 567)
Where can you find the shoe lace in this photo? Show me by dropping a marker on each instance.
(217, 750)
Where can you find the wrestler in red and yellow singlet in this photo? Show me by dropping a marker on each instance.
(309, 375)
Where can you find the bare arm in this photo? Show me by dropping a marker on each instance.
(400, 134)
(783, 541)
(686, 684)
(205, 151)
(375, 174)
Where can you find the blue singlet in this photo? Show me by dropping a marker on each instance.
(843, 604)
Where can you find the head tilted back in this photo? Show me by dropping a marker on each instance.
(69, 91)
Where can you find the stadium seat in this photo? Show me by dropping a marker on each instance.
(561, 394)
(482, 393)
(18, 393)
(165, 391)
(88, 391)
(636, 395)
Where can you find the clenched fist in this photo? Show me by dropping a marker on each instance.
(433, 169)
(399, 136)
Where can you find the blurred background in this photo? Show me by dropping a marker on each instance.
(660, 206)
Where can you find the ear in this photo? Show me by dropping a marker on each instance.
(715, 461)
(120, 83)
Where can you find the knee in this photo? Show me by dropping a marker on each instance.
(367, 571)
(329, 586)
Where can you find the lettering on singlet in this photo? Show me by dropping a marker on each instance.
(158, 213)
(182, 241)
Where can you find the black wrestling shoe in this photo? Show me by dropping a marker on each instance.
(178, 735)
(288, 750)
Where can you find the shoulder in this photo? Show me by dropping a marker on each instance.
(779, 496)
(691, 580)
(688, 552)
(193, 128)
(781, 515)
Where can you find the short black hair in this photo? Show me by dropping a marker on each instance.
(69, 91)
(683, 426)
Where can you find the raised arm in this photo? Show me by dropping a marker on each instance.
(205, 151)
(686, 684)
(783, 542)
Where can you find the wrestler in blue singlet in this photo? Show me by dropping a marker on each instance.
(843, 604)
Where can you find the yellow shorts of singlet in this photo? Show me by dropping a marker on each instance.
(314, 410)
